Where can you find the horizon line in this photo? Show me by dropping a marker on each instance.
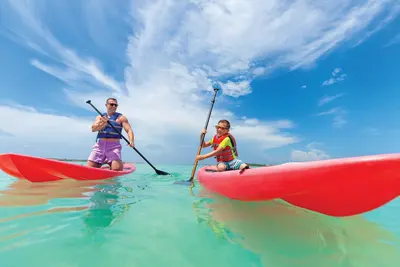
(143, 162)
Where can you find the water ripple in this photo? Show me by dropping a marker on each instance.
(284, 235)
(145, 220)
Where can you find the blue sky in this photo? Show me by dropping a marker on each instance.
(299, 81)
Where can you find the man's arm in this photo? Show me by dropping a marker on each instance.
(99, 123)
(128, 129)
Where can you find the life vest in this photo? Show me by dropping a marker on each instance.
(227, 154)
(108, 131)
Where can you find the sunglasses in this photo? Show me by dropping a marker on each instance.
(113, 105)
(219, 127)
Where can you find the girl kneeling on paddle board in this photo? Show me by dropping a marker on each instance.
(225, 151)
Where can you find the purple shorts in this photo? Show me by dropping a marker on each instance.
(105, 152)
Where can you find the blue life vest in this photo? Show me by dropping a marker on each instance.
(108, 131)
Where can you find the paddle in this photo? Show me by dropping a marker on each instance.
(157, 171)
(202, 139)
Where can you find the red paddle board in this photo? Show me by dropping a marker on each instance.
(37, 169)
(336, 187)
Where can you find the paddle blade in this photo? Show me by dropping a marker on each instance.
(162, 172)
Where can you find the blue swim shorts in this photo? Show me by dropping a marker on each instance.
(233, 164)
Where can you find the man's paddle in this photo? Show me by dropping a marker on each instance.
(157, 171)
(202, 139)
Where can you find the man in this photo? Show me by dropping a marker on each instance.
(108, 148)
(224, 145)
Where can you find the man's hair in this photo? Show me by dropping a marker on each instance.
(228, 124)
(111, 98)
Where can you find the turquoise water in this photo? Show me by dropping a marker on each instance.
(145, 220)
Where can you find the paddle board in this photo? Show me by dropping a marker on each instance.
(36, 169)
(335, 187)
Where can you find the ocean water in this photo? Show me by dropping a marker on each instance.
(145, 220)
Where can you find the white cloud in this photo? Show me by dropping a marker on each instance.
(170, 56)
(371, 131)
(326, 99)
(250, 121)
(395, 40)
(236, 89)
(392, 15)
(38, 133)
(311, 155)
(338, 114)
(337, 76)
(44, 127)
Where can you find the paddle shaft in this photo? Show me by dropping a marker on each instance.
(203, 134)
(127, 141)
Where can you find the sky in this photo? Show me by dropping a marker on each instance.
(300, 80)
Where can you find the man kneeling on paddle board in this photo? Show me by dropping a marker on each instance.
(108, 148)
(225, 151)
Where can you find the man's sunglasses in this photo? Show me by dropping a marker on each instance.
(113, 105)
(219, 127)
